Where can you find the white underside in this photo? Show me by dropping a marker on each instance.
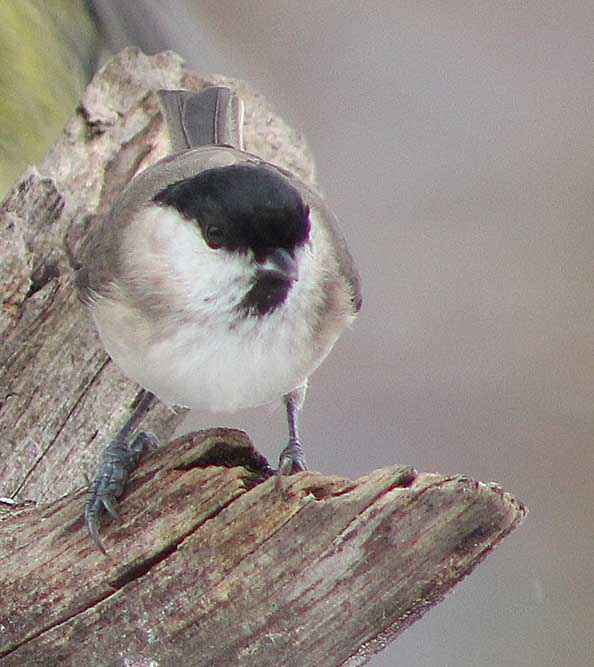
(204, 354)
(256, 362)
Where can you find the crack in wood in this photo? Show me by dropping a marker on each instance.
(63, 424)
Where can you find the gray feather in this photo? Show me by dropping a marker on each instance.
(213, 116)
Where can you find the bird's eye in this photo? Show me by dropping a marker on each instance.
(214, 236)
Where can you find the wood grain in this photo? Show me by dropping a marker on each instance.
(212, 565)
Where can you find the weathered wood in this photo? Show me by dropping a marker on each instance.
(60, 396)
(213, 566)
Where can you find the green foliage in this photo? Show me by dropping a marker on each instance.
(47, 50)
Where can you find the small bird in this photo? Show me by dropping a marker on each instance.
(218, 280)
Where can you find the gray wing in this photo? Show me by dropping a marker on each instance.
(344, 257)
(347, 265)
(83, 287)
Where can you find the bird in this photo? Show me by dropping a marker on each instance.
(218, 281)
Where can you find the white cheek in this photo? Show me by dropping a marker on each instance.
(167, 256)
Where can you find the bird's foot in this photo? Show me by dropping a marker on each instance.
(120, 458)
(290, 461)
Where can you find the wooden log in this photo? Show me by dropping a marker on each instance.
(212, 565)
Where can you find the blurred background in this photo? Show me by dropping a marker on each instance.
(455, 141)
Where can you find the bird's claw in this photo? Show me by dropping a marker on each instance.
(290, 461)
(120, 458)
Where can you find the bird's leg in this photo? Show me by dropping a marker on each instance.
(119, 459)
(292, 458)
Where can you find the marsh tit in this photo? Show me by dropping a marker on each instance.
(218, 280)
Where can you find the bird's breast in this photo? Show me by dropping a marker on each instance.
(218, 366)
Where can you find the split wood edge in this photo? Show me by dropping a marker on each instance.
(326, 572)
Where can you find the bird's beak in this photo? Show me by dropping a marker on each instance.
(279, 264)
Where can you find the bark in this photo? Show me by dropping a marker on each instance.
(212, 563)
